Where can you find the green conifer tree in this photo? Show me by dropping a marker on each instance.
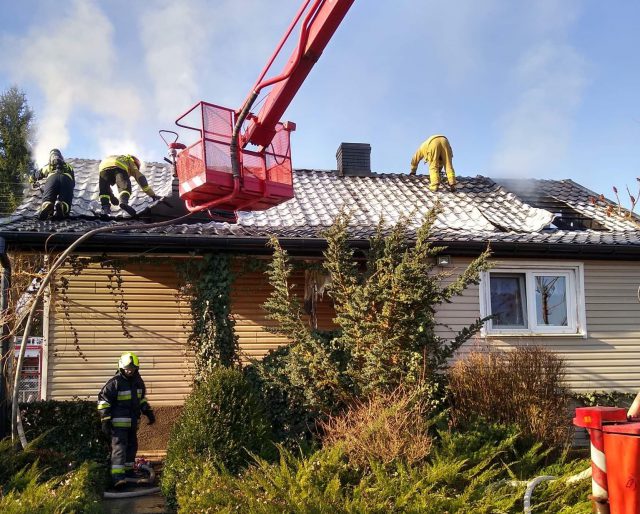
(16, 134)
(386, 314)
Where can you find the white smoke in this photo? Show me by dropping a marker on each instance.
(174, 40)
(549, 80)
(72, 60)
(201, 50)
(537, 130)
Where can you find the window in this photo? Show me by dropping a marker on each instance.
(533, 300)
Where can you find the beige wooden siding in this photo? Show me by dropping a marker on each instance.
(608, 358)
(158, 322)
(249, 293)
(154, 317)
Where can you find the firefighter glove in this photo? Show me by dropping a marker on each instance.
(151, 417)
(155, 198)
(106, 427)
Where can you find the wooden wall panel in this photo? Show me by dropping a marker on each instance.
(155, 318)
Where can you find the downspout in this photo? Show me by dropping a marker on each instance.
(5, 284)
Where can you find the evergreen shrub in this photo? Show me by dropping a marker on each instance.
(385, 313)
(78, 491)
(292, 423)
(70, 428)
(326, 482)
(223, 421)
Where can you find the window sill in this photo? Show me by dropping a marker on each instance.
(497, 335)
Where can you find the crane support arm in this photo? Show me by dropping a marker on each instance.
(318, 27)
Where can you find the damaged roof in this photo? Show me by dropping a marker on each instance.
(511, 213)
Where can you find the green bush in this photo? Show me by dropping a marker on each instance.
(481, 470)
(223, 421)
(325, 483)
(292, 423)
(385, 313)
(605, 398)
(75, 492)
(71, 428)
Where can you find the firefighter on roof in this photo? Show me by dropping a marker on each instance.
(121, 401)
(58, 188)
(118, 170)
(437, 152)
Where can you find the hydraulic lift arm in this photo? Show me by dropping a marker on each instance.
(319, 24)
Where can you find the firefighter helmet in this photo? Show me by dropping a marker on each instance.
(55, 158)
(127, 360)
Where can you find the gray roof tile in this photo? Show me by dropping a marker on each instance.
(480, 210)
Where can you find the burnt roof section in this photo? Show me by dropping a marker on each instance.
(479, 211)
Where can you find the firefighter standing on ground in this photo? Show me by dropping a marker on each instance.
(58, 188)
(437, 151)
(118, 170)
(121, 401)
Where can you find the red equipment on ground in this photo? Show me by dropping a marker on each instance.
(218, 171)
(615, 458)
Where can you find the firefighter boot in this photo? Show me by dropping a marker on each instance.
(45, 211)
(105, 212)
(128, 209)
(61, 211)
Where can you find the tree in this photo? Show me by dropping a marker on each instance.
(386, 314)
(16, 135)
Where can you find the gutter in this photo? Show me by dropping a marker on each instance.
(5, 284)
(152, 243)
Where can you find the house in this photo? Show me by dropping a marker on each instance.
(566, 275)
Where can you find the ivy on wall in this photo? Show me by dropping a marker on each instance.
(207, 283)
(117, 293)
(77, 265)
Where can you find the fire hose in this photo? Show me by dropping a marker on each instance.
(140, 492)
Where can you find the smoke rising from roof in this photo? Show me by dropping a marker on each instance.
(73, 61)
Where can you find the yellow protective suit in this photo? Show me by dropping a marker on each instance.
(438, 153)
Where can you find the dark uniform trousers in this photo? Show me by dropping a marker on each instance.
(114, 176)
(124, 446)
(58, 185)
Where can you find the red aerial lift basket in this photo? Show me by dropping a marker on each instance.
(205, 172)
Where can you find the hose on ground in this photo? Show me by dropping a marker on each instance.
(108, 495)
(531, 485)
(138, 492)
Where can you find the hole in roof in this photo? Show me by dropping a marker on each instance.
(566, 217)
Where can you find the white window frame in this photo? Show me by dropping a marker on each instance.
(576, 313)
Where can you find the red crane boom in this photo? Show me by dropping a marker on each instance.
(318, 27)
(218, 171)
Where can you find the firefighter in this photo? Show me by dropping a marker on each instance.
(121, 401)
(118, 170)
(58, 188)
(437, 151)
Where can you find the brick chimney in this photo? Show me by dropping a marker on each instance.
(354, 160)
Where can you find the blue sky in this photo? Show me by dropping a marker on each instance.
(545, 89)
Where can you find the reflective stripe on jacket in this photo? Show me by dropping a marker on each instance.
(127, 164)
(67, 170)
(122, 400)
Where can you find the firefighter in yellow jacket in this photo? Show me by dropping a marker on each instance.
(118, 170)
(438, 153)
